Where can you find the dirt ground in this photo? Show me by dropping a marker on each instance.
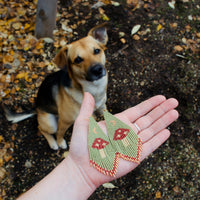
(162, 57)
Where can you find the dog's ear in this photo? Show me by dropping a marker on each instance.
(61, 59)
(99, 33)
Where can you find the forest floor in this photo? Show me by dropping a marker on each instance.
(162, 57)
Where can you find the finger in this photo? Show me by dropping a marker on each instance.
(87, 106)
(158, 125)
(82, 121)
(154, 143)
(147, 149)
(156, 113)
(80, 129)
(143, 108)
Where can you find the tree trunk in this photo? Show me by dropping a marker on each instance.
(45, 18)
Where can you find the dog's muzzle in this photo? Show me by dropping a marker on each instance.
(95, 72)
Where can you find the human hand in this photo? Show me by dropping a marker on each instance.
(151, 116)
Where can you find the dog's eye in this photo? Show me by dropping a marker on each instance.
(96, 51)
(78, 60)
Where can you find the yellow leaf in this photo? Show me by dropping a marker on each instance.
(107, 2)
(65, 154)
(39, 45)
(17, 88)
(12, 52)
(7, 157)
(26, 26)
(10, 21)
(105, 17)
(21, 11)
(158, 195)
(8, 58)
(1, 162)
(159, 27)
(1, 138)
(34, 76)
(6, 92)
(21, 75)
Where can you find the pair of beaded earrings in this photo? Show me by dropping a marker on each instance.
(105, 151)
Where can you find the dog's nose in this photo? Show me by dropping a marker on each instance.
(96, 72)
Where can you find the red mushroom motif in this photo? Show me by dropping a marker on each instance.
(100, 144)
(120, 134)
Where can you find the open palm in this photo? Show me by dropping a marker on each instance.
(151, 116)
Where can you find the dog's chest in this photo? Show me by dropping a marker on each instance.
(76, 94)
(96, 88)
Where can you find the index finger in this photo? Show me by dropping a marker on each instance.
(143, 108)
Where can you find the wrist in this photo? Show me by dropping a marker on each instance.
(78, 184)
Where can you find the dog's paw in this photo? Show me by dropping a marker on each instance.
(62, 144)
(54, 145)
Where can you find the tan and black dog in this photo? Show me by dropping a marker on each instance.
(60, 95)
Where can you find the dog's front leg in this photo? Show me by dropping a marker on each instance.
(62, 127)
(99, 112)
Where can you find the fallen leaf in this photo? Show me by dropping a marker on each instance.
(2, 173)
(26, 26)
(1, 138)
(8, 59)
(65, 154)
(172, 4)
(136, 37)
(176, 189)
(159, 27)
(105, 17)
(17, 25)
(48, 40)
(158, 195)
(132, 2)
(22, 75)
(114, 3)
(109, 185)
(7, 157)
(106, 2)
(39, 45)
(34, 76)
(198, 35)
(178, 48)
(98, 5)
(1, 162)
(123, 41)
(121, 34)
(14, 127)
(65, 28)
(135, 29)
(28, 164)
(188, 28)
(42, 64)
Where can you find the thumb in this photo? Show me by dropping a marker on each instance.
(80, 129)
(87, 106)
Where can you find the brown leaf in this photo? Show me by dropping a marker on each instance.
(17, 25)
(2, 173)
(8, 58)
(158, 195)
(42, 64)
(178, 48)
(136, 37)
